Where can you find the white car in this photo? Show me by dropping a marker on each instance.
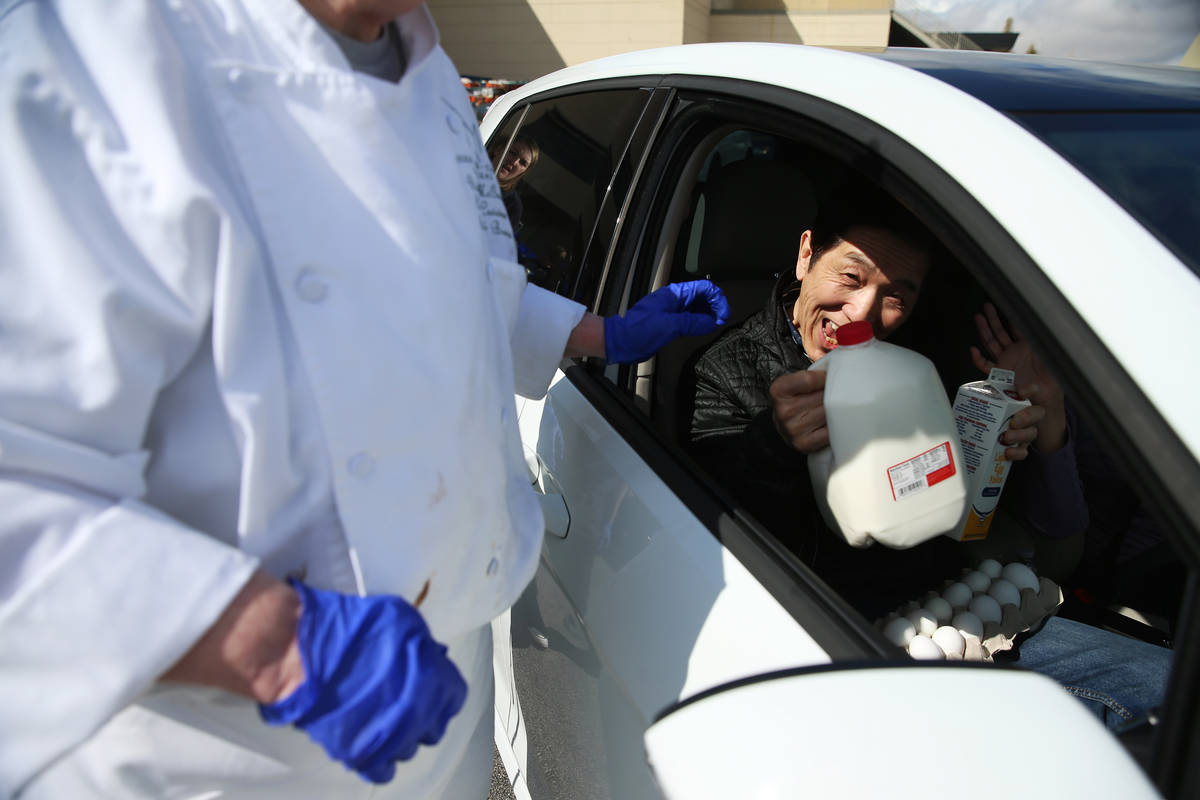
(670, 644)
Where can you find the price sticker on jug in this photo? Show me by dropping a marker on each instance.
(921, 472)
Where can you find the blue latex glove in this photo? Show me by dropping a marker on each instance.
(677, 309)
(376, 683)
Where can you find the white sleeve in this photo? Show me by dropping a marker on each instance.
(99, 599)
(544, 323)
(106, 268)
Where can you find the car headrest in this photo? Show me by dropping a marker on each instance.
(754, 213)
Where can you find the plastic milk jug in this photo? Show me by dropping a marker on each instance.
(892, 472)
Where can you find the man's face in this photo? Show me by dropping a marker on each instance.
(870, 275)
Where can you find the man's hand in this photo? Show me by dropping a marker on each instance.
(251, 649)
(798, 407)
(1047, 430)
(377, 685)
(693, 308)
(1022, 428)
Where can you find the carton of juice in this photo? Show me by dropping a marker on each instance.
(982, 410)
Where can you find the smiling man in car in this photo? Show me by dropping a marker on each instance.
(758, 412)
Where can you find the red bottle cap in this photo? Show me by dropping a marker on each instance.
(854, 333)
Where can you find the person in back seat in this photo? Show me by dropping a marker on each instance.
(758, 411)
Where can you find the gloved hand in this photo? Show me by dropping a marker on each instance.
(677, 309)
(376, 683)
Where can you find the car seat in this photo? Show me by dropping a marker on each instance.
(754, 213)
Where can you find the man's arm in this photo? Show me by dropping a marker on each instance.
(679, 309)
(587, 338)
(252, 648)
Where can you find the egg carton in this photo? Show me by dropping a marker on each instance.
(974, 616)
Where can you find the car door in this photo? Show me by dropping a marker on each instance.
(663, 582)
(641, 598)
(900, 731)
(713, 115)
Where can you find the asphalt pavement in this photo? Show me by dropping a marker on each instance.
(500, 789)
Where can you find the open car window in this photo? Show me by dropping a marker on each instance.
(735, 189)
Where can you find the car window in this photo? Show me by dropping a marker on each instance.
(1148, 162)
(731, 207)
(554, 174)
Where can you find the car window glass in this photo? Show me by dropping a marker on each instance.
(498, 144)
(1149, 163)
(554, 176)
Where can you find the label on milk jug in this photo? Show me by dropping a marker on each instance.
(921, 472)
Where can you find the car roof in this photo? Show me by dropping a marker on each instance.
(1005, 81)
(1009, 82)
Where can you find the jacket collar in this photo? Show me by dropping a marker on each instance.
(784, 336)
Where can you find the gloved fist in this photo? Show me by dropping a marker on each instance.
(693, 308)
(376, 683)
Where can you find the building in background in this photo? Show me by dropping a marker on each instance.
(498, 44)
(1192, 57)
(522, 39)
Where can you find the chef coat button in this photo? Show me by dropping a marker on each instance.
(503, 415)
(493, 565)
(237, 79)
(361, 465)
(311, 287)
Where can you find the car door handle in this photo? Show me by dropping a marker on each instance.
(554, 505)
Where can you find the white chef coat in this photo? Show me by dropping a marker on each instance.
(255, 309)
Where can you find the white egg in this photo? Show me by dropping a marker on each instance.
(1021, 576)
(990, 567)
(986, 608)
(951, 642)
(926, 649)
(924, 620)
(968, 624)
(958, 595)
(940, 608)
(1005, 592)
(899, 631)
(978, 582)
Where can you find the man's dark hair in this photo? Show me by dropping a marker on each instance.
(859, 205)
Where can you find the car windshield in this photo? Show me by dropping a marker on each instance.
(1149, 162)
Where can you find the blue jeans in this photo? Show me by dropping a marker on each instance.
(1119, 679)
